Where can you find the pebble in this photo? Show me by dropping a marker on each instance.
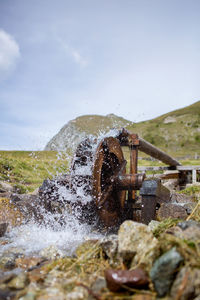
(117, 279)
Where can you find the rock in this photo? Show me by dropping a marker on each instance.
(153, 225)
(79, 293)
(187, 284)
(7, 260)
(190, 230)
(189, 207)
(3, 228)
(137, 245)
(163, 271)
(117, 279)
(171, 184)
(19, 282)
(28, 296)
(99, 285)
(169, 210)
(109, 245)
(6, 295)
(51, 252)
(5, 187)
(186, 224)
(181, 198)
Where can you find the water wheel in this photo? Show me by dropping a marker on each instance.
(94, 169)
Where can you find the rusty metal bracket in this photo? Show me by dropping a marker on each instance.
(153, 193)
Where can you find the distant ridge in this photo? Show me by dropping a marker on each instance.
(176, 132)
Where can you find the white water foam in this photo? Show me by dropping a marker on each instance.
(65, 234)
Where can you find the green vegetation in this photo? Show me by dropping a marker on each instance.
(26, 170)
(176, 132)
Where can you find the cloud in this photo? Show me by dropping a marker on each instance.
(74, 53)
(9, 54)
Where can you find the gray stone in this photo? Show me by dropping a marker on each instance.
(163, 271)
(181, 198)
(186, 284)
(170, 210)
(137, 245)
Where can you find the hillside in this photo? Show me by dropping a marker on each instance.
(176, 132)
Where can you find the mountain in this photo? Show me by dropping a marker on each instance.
(176, 132)
(76, 130)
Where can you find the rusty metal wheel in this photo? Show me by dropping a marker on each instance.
(107, 162)
(103, 160)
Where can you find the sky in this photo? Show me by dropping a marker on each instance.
(61, 59)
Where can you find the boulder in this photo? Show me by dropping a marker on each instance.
(163, 271)
(187, 284)
(137, 245)
(170, 210)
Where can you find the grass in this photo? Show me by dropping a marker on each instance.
(26, 170)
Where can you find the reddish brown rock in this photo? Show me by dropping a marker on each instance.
(168, 210)
(118, 279)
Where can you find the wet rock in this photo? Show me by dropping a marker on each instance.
(187, 284)
(19, 282)
(49, 191)
(181, 198)
(79, 293)
(51, 252)
(163, 271)
(169, 210)
(117, 279)
(137, 245)
(3, 228)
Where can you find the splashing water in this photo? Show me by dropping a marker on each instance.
(61, 230)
